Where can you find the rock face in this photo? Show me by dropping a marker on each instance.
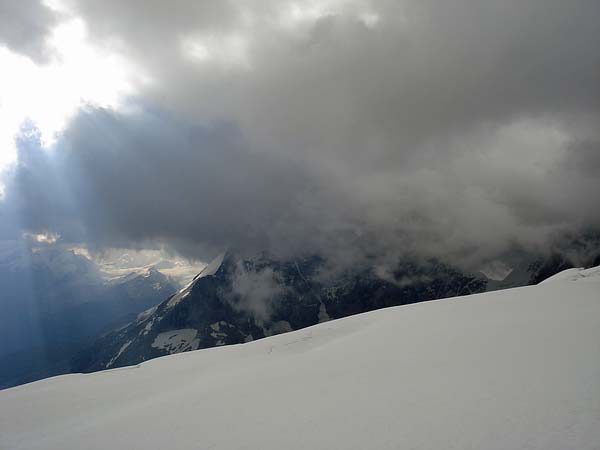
(235, 300)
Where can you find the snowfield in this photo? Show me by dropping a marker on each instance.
(506, 370)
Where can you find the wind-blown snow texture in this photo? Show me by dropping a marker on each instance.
(512, 369)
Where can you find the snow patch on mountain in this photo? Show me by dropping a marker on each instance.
(146, 314)
(176, 341)
(181, 295)
(147, 328)
(212, 268)
(121, 350)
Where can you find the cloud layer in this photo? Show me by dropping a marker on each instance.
(24, 26)
(454, 129)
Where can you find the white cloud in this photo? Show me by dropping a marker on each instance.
(48, 94)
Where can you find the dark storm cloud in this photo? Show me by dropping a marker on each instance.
(447, 128)
(142, 177)
(24, 26)
(427, 67)
(584, 158)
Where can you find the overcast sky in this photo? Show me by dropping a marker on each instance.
(457, 129)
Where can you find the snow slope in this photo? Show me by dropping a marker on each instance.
(575, 275)
(513, 369)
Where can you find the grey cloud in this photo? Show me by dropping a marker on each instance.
(584, 158)
(428, 68)
(116, 179)
(24, 26)
(446, 129)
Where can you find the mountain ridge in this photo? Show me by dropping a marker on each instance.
(236, 299)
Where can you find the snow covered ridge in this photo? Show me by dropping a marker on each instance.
(210, 270)
(575, 274)
(213, 267)
(512, 369)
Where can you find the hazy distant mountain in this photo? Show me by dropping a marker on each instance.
(54, 302)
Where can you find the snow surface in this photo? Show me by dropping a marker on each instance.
(575, 275)
(514, 369)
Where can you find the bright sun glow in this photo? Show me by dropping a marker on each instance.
(49, 94)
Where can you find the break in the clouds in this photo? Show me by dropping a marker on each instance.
(456, 129)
